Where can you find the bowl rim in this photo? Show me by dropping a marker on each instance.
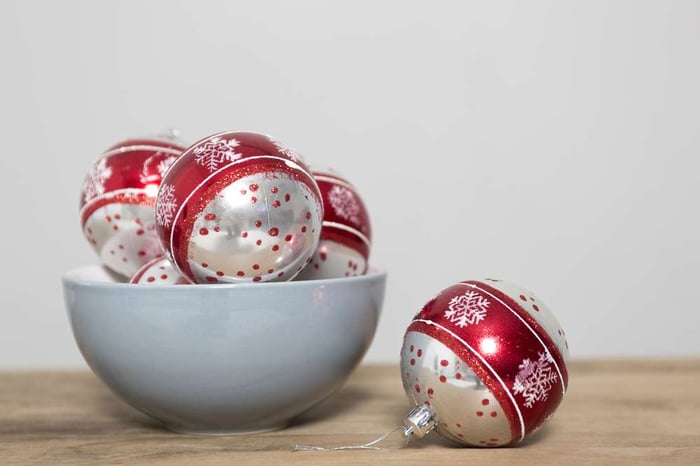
(72, 277)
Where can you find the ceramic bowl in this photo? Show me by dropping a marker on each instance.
(223, 359)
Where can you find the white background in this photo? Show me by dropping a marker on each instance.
(553, 144)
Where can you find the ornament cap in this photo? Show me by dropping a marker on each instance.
(419, 421)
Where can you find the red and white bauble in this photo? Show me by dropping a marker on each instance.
(158, 271)
(239, 207)
(345, 243)
(489, 359)
(117, 199)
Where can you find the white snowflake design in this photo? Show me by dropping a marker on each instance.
(165, 205)
(291, 153)
(344, 203)
(164, 165)
(216, 151)
(94, 183)
(467, 309)
(162, 168)
(535, 379)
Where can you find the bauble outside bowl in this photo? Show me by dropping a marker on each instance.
(223, 359)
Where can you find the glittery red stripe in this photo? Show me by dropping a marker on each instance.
(488, 377)
(553, 348)
(136, 196)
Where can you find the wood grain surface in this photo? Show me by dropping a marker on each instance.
(616, 412)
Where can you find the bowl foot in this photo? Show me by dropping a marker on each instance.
(222, 432)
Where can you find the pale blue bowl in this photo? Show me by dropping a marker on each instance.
(223, 359)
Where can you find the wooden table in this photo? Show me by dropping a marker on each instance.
(616, 412)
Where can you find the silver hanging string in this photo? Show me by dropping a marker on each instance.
(365, 446)
(417, 423)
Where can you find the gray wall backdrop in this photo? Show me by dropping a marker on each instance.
(553, 144)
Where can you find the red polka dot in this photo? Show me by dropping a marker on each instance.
(444, 363)
(419, 353)
(270, 270)
(443, 379)
(108, 218)
(479, 413)
(308, 215)
(217, 228)
(243, 191)
(303, 229)
(164, 277)
(210, 217)
(459, 425)
(253, 199)
(485, 402)
(244, 234)
(212, 279)
(220, 273)
(253, 187)
(205, 265)
(458, 375)
(151, 279)
(280, 274)
(410, 348)
(274, 231)
(537, 309)
(523, 297)
(494, 414)
(431, 392)
(141, 253)
(203, 231)
(287, 197)
(240, 273)
(274, 189)
(275, 247)
(323, 257)
(288, 238)
(276, 203)
(115, 228)
(412, 362)
(123, 259)
(139, 232)
(89, 230)
(257, 278)
(117, 216)
(256, 266)
(417, 387)
(316, 266)
(111, 251)
(258, 242)
(121, 246)
(258, 223)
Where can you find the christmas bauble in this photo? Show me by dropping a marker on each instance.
(118, 195)
(239, 207)
(489, 360)
(158, 271)
(344, 247)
